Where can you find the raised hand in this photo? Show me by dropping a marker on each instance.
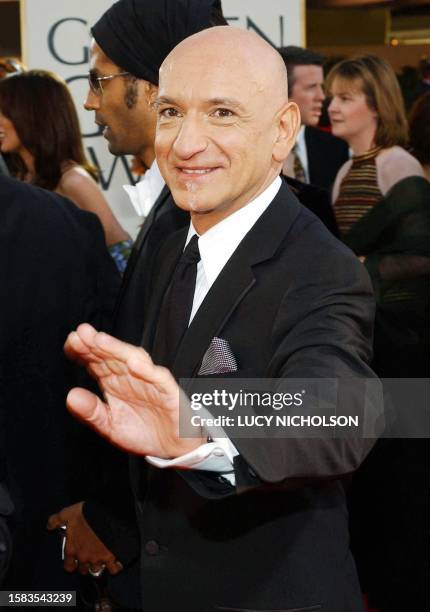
(141, 409)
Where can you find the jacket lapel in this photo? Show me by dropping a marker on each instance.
(140, 239)
(235, 281)
(162, 270)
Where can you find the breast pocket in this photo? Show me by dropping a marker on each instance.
(242, 373)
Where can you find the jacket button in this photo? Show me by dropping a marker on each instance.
(152, 547)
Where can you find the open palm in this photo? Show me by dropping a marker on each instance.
(141, 409)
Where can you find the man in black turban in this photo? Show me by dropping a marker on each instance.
(130, 41)
(138, 34)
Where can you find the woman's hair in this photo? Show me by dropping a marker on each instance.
(419, 122)
(379, 84)
(42, 111)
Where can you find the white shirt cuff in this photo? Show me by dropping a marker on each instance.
(215, 456)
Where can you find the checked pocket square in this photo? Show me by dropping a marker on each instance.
(218, 359)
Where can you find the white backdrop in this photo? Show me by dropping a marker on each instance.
(55, 36)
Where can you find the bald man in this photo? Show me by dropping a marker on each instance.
(234, 524)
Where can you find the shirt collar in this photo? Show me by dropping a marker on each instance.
(300, 142)
(145, 193)
(218, 244)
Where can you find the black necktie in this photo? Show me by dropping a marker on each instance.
(176, 307)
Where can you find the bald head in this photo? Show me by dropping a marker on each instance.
(225, 125)
(238, 54)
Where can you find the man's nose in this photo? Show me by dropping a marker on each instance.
(191, 138)
(92, 101)
(320, 93)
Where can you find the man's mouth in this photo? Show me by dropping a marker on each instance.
(102, 126)
(198, 171)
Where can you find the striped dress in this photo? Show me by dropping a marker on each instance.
(358, 191)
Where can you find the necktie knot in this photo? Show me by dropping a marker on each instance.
(191, 254)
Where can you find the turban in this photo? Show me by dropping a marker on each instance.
(138, 34)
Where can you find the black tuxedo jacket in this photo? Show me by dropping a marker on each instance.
(326, 154)
(292, 302)
(56, 274)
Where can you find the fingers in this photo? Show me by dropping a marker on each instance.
(114, 567)
(102, 354)
(79, 342)
(70, 563)
(83, 568)
(151, 373)
(111, 347)
(55, 522)
(96, 569)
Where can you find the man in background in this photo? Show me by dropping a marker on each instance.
(317, 155)
(55, 270)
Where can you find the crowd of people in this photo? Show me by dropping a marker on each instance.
(271, 248)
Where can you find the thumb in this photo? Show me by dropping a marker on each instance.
(89, 408)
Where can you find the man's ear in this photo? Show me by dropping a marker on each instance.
(288, 120)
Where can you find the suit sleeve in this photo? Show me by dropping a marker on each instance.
(330, 337)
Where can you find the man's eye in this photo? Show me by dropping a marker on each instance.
(222, 113)
(169, 112)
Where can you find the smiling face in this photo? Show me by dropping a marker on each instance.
(308, 93)
(9, 139)
(123, 110)
(222, 133)
(351, 117)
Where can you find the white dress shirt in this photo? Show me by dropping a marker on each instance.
(145, 193)
(216, 246)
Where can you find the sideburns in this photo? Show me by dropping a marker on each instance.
(131, 92)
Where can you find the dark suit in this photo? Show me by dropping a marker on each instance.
(291, 302)
(326, 154)
(56, 274)
(112, 517)
(6, 509)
